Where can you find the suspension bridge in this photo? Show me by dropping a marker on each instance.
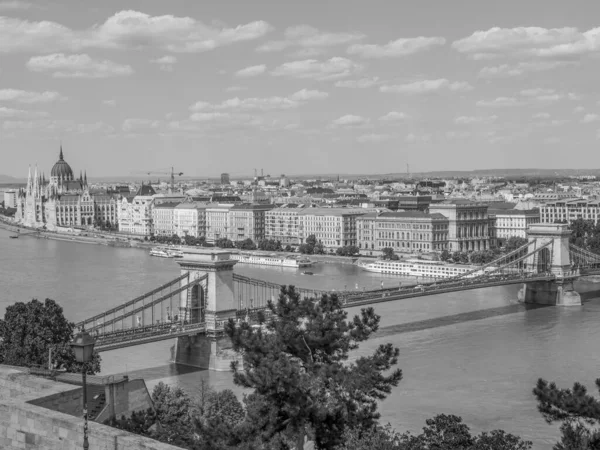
(195, 306)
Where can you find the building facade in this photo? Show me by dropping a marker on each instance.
(410, 231)
(468, 224)
(135, 212)
(283, 224)
(217, 222)
(334, 227)
(247, 222)
(10, 199)
(162, 218)
(188, 218)
(570, 210)
(514, 222)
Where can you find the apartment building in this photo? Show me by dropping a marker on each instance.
(409, 231)
(162, 217)
(283, 224)
(247, 221)
(468, 224)
(135, 213)
(570, 210)
(334, 227)
(513, 222)
(189, 219)
(217, 221)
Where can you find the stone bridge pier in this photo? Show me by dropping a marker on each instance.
(211, 301)
(555, 258)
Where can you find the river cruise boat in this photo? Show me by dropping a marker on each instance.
(161, 252)
(420, 268)
(273, 259)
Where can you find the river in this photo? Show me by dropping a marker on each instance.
(476, 354)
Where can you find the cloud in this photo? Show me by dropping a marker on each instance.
(470, 120)
(15, 5)
(19, 113)
(251, 71)
(334, 68)
(529, 42)
(30, 97)
(427, 86)
(373, 138)
(165, 63)
(362, 83)
(112, 102)
(125, 30)
(309, 37)
(399, 47)
(77, 66)
(139, 124)
(536, 92)
(394, 116)
(513, 70)
(458, 134)
(541, 116)
(350, 120)
(413, 138)
(578, 109)
(500, 102)
(235, 88)
(590, 118)
(237, 105)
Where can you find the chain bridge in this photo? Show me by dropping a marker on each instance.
(193, 307)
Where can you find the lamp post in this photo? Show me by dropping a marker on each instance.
(83, 347)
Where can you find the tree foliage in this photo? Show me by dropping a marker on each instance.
(30, 330)
(296, 363)
(312, 246)
(514, 242)
(347, 250)
(388, 253)
(224, 243)
(270, 245)
(246, 244)
(578, 412)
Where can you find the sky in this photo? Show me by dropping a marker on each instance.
(297, 87)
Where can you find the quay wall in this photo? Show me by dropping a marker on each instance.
(26, 425)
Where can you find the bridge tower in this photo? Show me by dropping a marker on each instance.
(211, 301)
(554, 258)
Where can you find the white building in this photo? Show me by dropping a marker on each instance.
(514, 222)
(186, 220)
(217, 222)
(247, 222)
(162, 218)
(10, 199)
(135, 213)
(282, 224)
(570, 210)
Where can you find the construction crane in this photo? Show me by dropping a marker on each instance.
(172, 173)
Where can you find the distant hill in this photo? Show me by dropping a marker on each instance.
(7, 179)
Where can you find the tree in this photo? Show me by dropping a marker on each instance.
(296, 362)
(578, 411)
(224, 243)
(445, 255)
(514, 242)
(30, 330)
(288, 248)
(311, 240)
(388, 253)
(347, 250)
(270, 245)
(246, 244)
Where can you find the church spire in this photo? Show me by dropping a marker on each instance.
(60, 156)
(36, 180)
(85, 178)
(29, 181)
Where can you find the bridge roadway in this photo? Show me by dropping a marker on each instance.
(168, 330)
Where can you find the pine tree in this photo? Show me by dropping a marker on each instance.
(296, 362)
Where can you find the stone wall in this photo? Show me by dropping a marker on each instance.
(131, 396)
(26, 425)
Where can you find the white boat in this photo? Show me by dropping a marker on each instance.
(161, 252)
(421, 268)
(272, 260)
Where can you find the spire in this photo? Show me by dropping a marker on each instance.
(29, 181)
(85, 178)
(36, 180)
(61, 157)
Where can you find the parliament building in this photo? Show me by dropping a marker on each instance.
(63, 201)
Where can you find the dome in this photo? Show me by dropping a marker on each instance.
(61, 169)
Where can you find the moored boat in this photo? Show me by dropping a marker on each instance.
(272, 259)
(421, 268)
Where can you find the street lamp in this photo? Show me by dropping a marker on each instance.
(83, 347)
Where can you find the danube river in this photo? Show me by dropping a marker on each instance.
(476, 354)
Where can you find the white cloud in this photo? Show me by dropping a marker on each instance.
(125, 30)
(209, 116)
(537, 92)
(541, 116)
(373, 138)
(77, 66)
(362, 83)
(15, 5)
(500, 102)
(578, 109)
(139, 124)
(470, 120)
(111, 102)
(165, 63)
(530, 42)
(235, 88)
(331, 69)
(19, 113)
(427, 86)
(236, 104)
(350, 120)
(513, 70)
(589, 118)
(394, 116)
(30, 97)
(251, 71)
(414, 138)
(309, 37)
(399, 47)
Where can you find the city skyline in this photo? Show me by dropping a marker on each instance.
(345, 87)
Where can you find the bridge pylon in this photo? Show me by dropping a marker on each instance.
(210, 301)
(552, 240)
